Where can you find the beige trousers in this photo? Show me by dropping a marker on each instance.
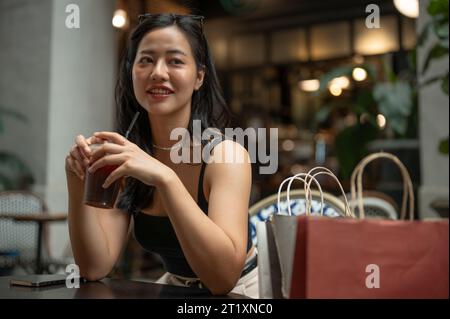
(246, 285)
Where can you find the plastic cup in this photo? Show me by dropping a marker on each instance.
(94, 194)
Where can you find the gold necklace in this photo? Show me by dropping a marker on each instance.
(173, 147)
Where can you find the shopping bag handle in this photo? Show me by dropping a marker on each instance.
(357, 188)
(307, 179)
(308, 195)
(325, 171)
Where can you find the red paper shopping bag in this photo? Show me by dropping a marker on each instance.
(345, 258)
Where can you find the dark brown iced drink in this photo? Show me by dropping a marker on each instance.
(94, 194)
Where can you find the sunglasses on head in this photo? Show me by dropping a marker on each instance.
(176, 17)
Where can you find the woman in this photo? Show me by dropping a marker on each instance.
(194, 216)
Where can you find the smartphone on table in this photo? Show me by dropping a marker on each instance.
(39, 280)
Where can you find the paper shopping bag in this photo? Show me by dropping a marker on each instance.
(285, 226)
(268, 262)
(370, 259)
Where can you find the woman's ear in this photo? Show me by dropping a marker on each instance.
(199, 79)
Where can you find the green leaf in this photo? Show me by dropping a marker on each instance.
(395, 103)
(433, 79)
(441, 30)
(423, 36)
(436, 52)
(430, 80)
(443, 146)
(436, 7)
(393, 97)
(398, 123)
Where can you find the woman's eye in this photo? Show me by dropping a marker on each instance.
(145, 60)
(175, 61)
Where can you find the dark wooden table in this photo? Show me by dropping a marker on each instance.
(106, 289)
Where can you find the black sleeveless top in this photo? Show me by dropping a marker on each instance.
(156, 234)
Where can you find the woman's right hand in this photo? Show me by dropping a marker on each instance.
(78, 158)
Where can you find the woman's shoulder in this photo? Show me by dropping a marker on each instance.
(227, 159)
(229, 152)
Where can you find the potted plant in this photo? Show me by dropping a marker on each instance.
(393, 98)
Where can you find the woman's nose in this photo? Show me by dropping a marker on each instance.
(159, 72)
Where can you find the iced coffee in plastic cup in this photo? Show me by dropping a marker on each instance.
(94, 194)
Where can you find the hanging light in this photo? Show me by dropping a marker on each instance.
(335, 89)
(409, 8)
(381, 121)
(120, 19)
(359, 74)
(309, 85)
(336, 85)
(343, 82)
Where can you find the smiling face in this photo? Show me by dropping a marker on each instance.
(164, 72)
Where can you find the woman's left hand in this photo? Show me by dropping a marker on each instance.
(130, 159)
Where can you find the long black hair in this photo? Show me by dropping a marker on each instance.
(208, 104)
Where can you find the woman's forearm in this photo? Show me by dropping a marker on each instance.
(88, 240)
(208, 249)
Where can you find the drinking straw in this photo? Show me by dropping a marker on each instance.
(131, 124)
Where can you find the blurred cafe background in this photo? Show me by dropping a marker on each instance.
(336, 81)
